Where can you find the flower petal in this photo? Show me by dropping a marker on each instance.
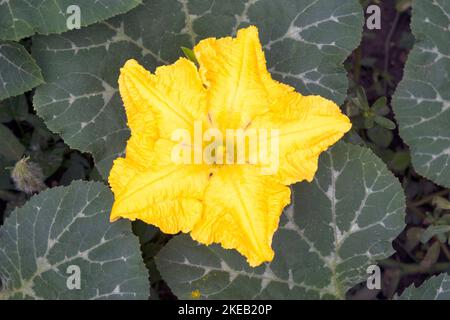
(239, 85)
(307, 126)
(174, 96)
(242, 211)
(169, 197)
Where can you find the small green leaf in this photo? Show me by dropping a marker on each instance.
(431, 231)
(385, 122)
(336, 227)
(190, 54)
(444, 219)
(431, 256)
(413, 236)
(380, 136)
(18, 70)
(66, 227)
(379, 107)
(362, 98)
(441, 203)
(400, 161)
(368, 122)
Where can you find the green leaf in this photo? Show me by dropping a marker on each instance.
(441, 203)
(368, 122)
(413, 236)
(22, 18)
(431, 256)
(380, 107)
(422, 100)
(400, 161)
(18, 70)
(381, 136)
(336, 227)
(305, 42)
(189, 53)
(385, 122)
(435, 288)
(69, 226)
(10, 147)
(431, 231)
(362, 98)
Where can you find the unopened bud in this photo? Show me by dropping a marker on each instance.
(441, 203)
(28, 176)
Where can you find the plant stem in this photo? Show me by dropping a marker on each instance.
(387, 47)
(357, 65)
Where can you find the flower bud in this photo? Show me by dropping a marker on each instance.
(28, 176)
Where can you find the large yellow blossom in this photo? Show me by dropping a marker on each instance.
(235, 205)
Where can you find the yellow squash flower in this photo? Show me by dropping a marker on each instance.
(233, 204)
